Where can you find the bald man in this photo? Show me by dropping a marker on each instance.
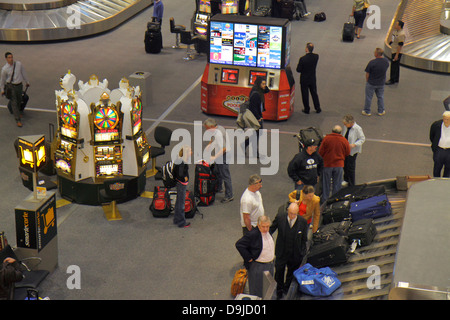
(290, 247)
(334, 149)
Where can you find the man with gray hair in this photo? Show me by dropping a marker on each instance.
(334, 149)
(258, 251)
(440, 145)
(251, 204)
(220, 144)
(355, 137)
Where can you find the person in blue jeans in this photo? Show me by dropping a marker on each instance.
(181, 175)
(375, 80)
(220, 145)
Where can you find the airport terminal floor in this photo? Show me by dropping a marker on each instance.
(141, 257)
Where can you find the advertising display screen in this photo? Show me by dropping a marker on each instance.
(230, 76)
(248, 45)
(221, 42)
(254, 74)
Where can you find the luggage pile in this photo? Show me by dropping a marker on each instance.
(348, 223)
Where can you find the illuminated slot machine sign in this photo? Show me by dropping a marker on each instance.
(202, 16)
(230, 6)
(243, 48)
(66, 151)
(107, 141)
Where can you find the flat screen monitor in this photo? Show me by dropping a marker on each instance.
(230, 75)
(253, 74)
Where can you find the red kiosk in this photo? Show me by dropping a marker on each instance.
(241, 49)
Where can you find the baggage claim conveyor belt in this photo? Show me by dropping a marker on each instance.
(383, 253)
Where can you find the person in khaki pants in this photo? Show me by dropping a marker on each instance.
(14, 73)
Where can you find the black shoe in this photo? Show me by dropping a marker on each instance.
(318, 110)
(304, 111)
(389, 82)
(225, 200)
(188, 224)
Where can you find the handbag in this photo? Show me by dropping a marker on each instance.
(9, 86)
(316, 282)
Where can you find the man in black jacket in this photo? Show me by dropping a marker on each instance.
(258, 251)
(9, 274)
(306, 166)
(440, 144)
(307, 68)
(290, 247)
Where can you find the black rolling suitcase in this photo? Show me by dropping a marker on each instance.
(287, 9)
(331, 231)
(329, 253)
(348, 32)
(336, 212)
(362, 231)
(153, 38)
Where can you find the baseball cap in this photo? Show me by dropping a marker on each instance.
(311, 142)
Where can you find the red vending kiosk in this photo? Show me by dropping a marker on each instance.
(241, 49)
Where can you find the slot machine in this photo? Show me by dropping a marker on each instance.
(106, 132)
(136, 147)
(243, 48)
(66, 151)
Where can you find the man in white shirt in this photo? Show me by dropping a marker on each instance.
(220, 144)
(440, 145)
(257, 248)
(14, 73)
(251, 204)
(355, 136)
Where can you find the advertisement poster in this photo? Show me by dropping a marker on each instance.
(221, 46)
(245, 45)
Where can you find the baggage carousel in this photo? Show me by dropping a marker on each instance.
(48, 20)
(427, 28)
(409, 243)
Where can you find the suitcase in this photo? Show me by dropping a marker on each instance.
(238, 283)
(331, 231)
(374, 207)
(403, 183)
(153, 38)
(205, 183)
(357, 192)
(329, 253)
(336, 212)
(348, 31)
(309, 133)
(287, 9)
(363, 231)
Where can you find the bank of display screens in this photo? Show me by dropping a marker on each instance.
(204, 6)
(246, 45)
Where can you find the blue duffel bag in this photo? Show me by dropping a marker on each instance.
(316, 282)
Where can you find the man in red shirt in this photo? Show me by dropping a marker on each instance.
(334, 149)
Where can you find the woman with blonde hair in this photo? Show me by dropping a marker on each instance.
(181, 175)
(359, 12)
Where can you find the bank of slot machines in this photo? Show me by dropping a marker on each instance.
(106, 129)
(66, 151)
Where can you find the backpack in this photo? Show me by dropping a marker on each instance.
(205, 183)
(190, 205)
(239, 281)
(320, 16)
(167, 175)
(160, 206)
